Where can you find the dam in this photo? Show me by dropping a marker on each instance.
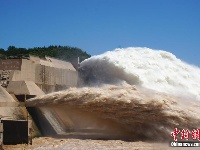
(22, 79)
(134, 94)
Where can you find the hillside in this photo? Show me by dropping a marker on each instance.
(66, 53)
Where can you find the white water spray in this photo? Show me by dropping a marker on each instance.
(153, 69)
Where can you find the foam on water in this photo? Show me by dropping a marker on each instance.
(154, 69)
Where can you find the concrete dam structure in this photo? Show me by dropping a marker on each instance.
(48, 74)
(22, 79)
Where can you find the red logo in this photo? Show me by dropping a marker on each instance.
(185, 134)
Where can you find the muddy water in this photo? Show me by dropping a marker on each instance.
(119, 112)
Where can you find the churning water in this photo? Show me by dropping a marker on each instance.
(136, 93)
(153, 69)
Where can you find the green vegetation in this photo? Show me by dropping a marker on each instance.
(66, 53)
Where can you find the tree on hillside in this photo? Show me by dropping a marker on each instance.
(2, 53)
(66, 53)
(14, 52)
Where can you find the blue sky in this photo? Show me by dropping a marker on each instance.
(97, 26)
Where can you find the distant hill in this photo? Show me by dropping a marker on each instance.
(66, 53)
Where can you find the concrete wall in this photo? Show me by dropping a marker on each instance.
(24, 88)
(49, 74)
(50, 78)
(26, 73)
(10, 64)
